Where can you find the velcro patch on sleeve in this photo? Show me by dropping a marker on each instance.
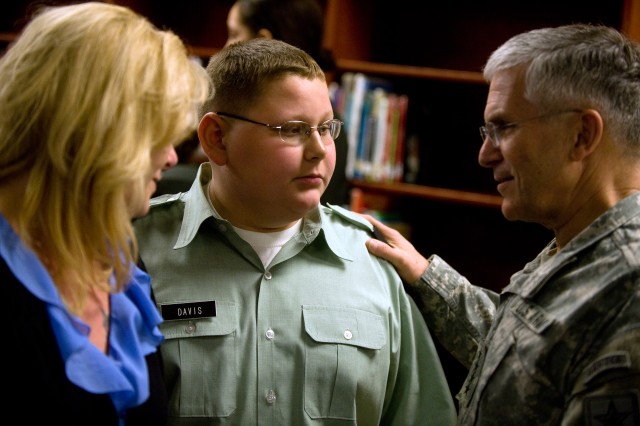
(613, 360)
(619, 409)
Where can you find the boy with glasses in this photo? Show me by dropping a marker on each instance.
(274, 310)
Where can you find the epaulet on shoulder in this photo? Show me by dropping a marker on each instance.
(164, 199)
(351, 216)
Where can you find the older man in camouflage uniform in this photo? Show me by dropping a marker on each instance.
(561, 343)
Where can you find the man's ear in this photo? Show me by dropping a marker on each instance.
(264, 33)
(590, 133)
(211, 133)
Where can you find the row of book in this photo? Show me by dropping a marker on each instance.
(375, 121)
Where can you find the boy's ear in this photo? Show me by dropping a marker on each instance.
(210, 133)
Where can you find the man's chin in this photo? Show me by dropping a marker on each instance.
(508, 210)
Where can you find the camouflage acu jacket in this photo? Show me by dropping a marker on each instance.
(561, 343)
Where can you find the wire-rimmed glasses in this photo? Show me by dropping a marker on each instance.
(297, 132)
(493, 131)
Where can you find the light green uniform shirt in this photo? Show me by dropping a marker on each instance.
(325, 334)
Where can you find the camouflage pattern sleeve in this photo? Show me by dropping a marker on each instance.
(459, 313)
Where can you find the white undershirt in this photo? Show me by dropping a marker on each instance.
(266, 244)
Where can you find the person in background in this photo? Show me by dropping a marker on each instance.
(559, 344)
(92, 99)
(275, 312)
(297, 22)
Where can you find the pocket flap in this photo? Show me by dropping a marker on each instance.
(346, 326)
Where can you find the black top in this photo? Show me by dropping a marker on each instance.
(36, 386)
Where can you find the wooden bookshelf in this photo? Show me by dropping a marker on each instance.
(436, 58)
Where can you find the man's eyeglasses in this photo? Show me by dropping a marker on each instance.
(494, 131)
(297, 132)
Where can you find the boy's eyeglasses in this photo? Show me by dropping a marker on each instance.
(297, 132)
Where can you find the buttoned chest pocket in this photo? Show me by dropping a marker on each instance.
(342, 350)
(199, 356)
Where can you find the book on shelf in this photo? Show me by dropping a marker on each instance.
(398, 165)
(378, 151)
(356, 87)
(375, 121)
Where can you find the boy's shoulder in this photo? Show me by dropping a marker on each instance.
(348, 217)
(165, 199)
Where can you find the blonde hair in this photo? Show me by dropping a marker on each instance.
(87, 92)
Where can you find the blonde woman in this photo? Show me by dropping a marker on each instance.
(93, 99)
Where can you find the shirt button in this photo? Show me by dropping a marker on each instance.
(267, 275)
(308, 232)
(270, 334)
(271, 397)
(222, 227)
(190, 328)
(348, 334)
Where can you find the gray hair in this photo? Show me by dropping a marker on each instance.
(579, 66)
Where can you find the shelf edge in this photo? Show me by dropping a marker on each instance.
(430, 193)
(410, 71)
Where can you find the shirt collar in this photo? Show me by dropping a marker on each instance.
(535, 274)
(197, 209)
